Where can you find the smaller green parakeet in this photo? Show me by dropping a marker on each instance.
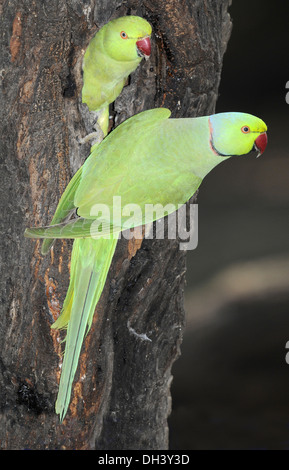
(112, 55)
(148, 159)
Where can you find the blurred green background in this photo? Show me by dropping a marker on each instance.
(231, 383)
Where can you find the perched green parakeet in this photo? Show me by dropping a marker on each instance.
(112, 55)
(148, 159)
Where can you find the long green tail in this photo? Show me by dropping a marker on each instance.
(90, 262)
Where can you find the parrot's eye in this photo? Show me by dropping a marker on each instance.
(245, 129)
(123, 35)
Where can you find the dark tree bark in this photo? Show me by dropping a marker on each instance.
(121, 397)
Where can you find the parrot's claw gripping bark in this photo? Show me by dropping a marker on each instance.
(95, 137)
(96, 125)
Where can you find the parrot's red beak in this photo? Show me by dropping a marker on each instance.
(144, 47)
(261, 143)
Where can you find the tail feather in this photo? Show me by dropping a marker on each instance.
(64, 317)
(90, 262)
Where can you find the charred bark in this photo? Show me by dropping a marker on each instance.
(121, 397)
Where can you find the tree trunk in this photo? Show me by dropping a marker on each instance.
(121, 395)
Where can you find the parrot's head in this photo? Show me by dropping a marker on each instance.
(237, 134)
(127, 38)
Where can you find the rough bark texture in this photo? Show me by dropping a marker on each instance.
(121, 397)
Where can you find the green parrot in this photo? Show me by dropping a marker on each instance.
(112, 55)
(148, 159)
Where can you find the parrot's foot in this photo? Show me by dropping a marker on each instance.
(94, 137)
(96, 123)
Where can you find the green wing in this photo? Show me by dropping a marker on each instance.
(113, 163)
(146, 160)
(64, 209)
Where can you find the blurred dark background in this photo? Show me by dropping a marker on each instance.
(231, 384)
